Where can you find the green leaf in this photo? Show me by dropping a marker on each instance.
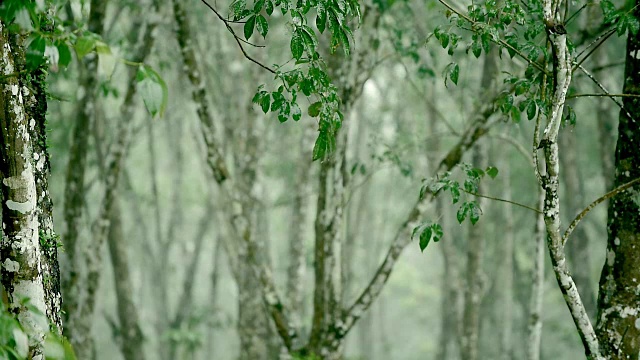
(35, 51)
(462, 213)
(84, 45)
(345, 41)
(455, 192)
(515, 114)
(454, 73)
(257, 7)
(321, 146)
(476, 48)
(249, 26)
(492, 172)
(532, 110)
(265, 102)
(65, 55)
(262, 25)
(314, 109)
(425, 237)
(153, 90)
(268, 7)
(296, 114)
(321, 18)
(475, 212)
(297, 45)
(437, 232)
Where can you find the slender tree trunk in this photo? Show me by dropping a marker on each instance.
(75, 182)
(618, 306)
(302, 191)
(506, 272)
(534, 330)
(132, 339)
(578, 249)
(474, 275)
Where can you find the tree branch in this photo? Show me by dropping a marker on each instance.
(503, 200)
(238, 40)
(595, 203)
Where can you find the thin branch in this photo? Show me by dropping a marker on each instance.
(599, 84)
(503, 200)
(513, 142)
(603, 95)
(604, 197)
(597, 42)
(239, 41)
(606, 66)
(499, 41)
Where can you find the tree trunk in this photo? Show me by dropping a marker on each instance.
(578, 247)
(618, 325)
(28, 248)
(132, 340)
(74, 195)
(506, 272)
(474, 277)
(534, 330)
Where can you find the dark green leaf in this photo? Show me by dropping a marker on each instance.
(462, 213)
(265, 102)
(437, 232)
(454, 73)
(268, 7)
(65, 55)
(262, 25)
(35, 51)
(492, 172)
(257, 7)
(321, 146)
(476, 48)
(314, 109)
(455, 192)
(475, 212)
(297, 45)
(425, 237)
(249, 26)
(321, 18)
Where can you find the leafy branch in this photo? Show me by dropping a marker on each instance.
(239, 41)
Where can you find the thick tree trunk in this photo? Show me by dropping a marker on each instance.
(618, 306)
(506, 272)
(28, 249)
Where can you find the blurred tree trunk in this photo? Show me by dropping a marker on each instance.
(475, 243)
(132, 340)
(537, 286)
(578, 247)
(300, 210)
(75, 193)
(82, 319)
(29, 246)
(473, 292)
(618, 325)
(506, 270)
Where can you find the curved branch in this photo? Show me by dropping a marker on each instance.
(503, 200)
(595, 203)
(238, 40)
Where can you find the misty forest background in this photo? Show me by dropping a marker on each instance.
(180, 171)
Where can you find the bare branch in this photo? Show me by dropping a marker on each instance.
(595, 203)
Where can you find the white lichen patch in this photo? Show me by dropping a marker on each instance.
(10, 265)
(611, 258)
(616, 241)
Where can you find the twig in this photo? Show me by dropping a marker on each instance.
(239, 41)
(605, 90)
(603, 95)
(604, 197)
(597, 42)
(503, 200)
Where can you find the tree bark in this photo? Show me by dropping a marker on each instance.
(618, 306)
(28, 248)
(534, 329)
